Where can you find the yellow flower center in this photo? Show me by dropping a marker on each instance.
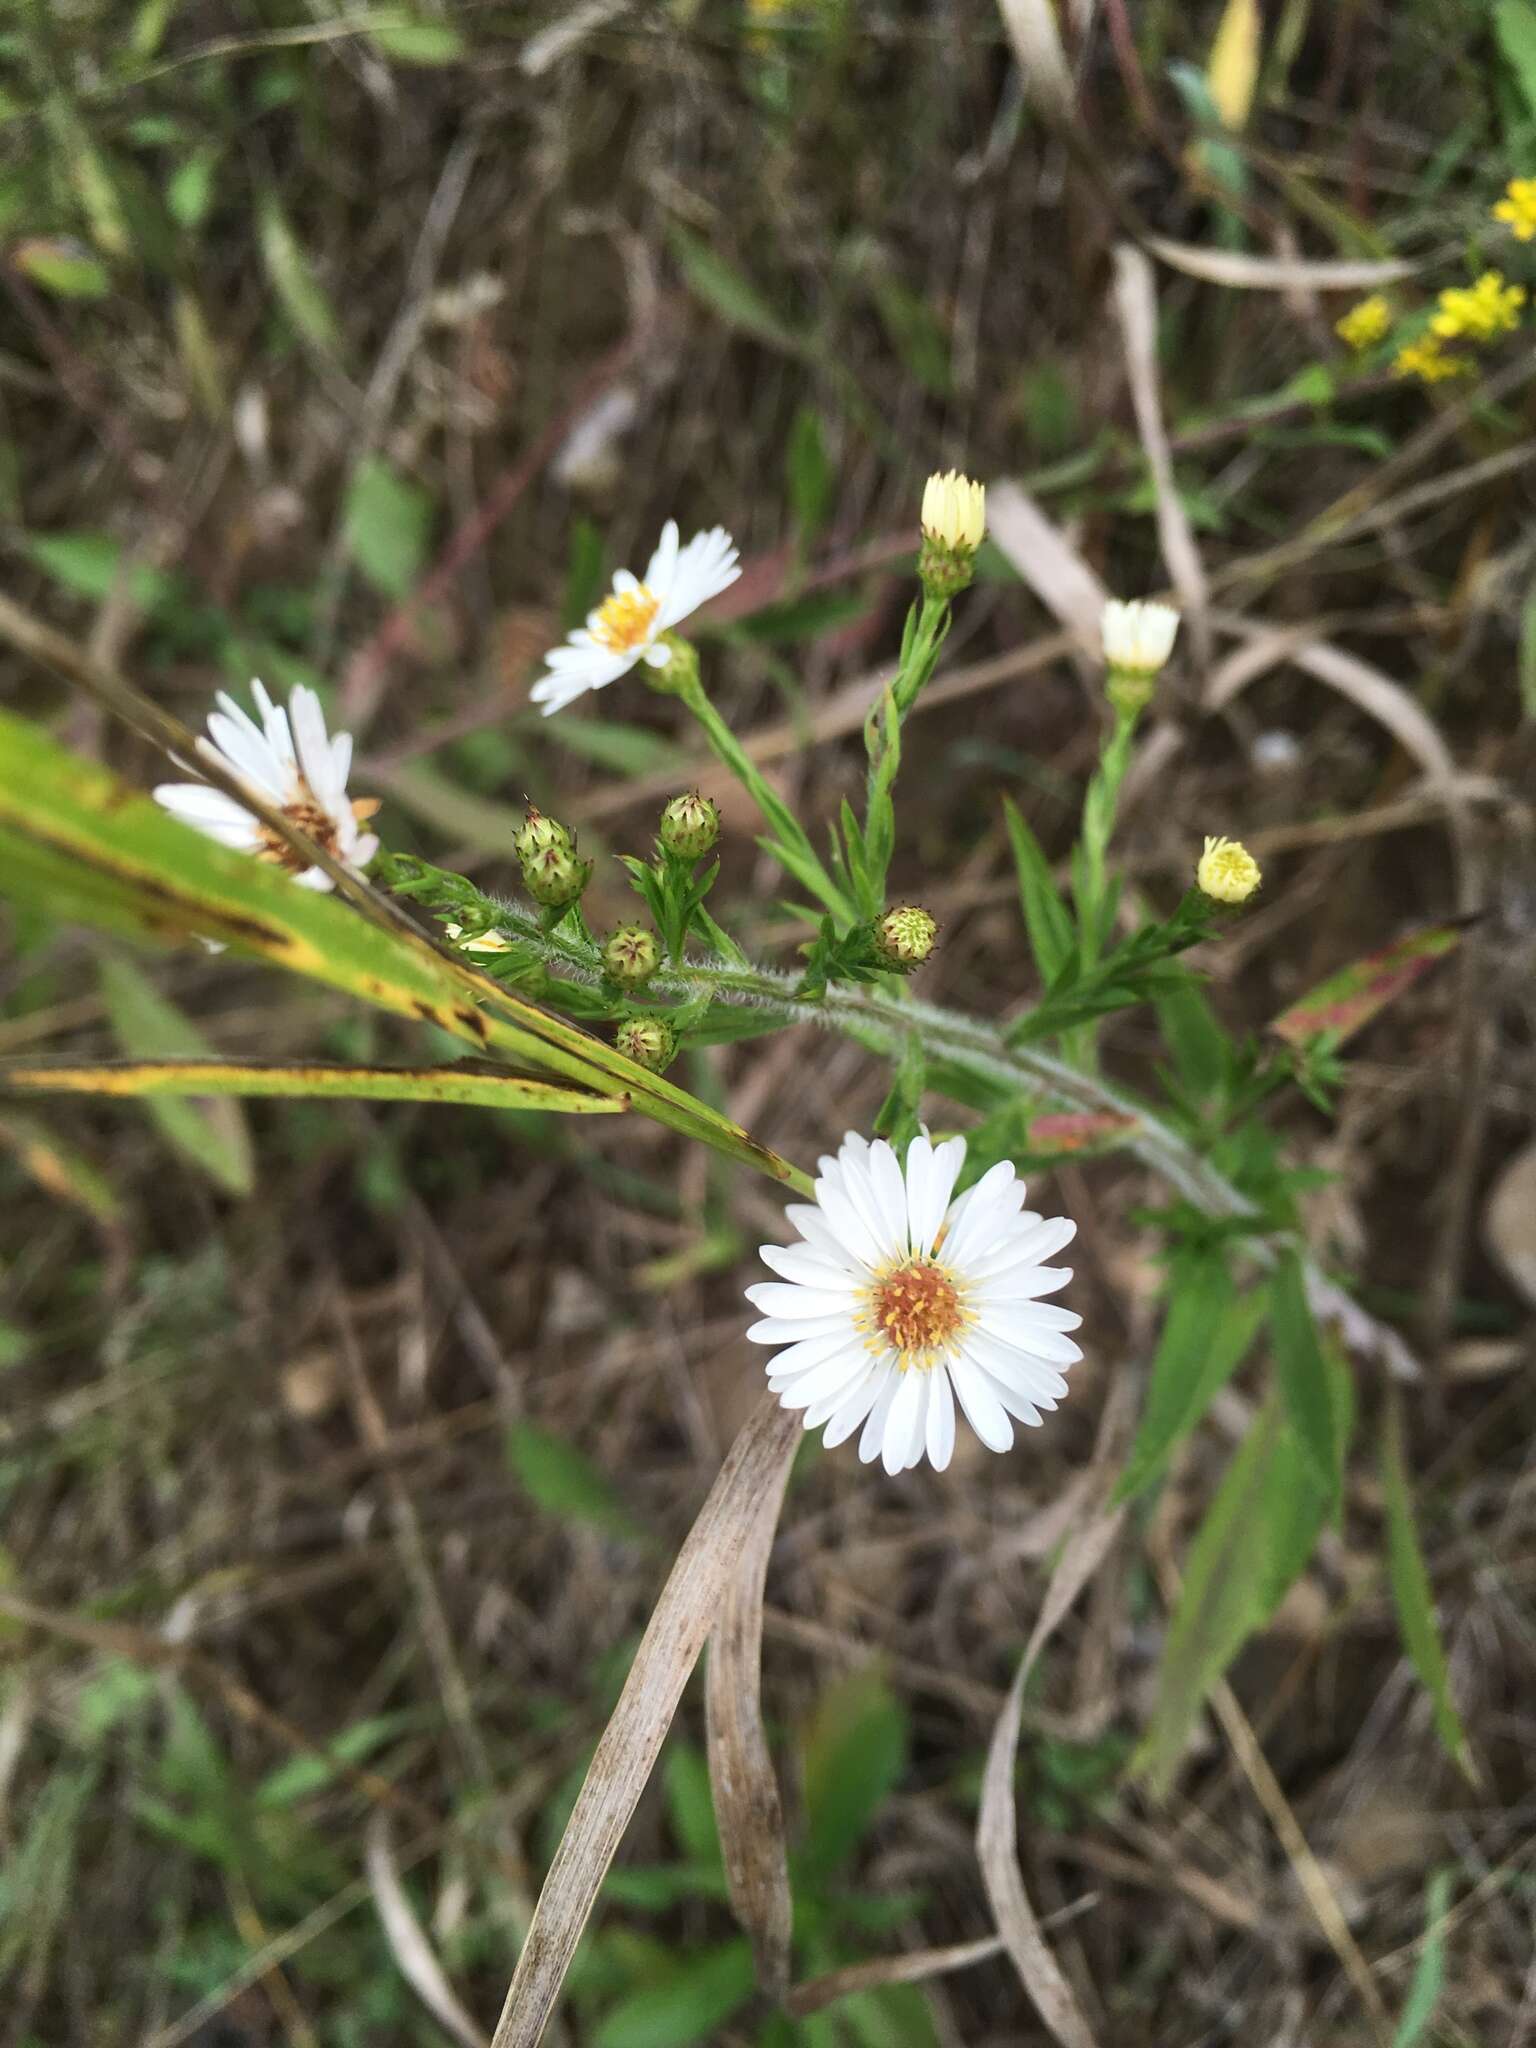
(916, 1309)
(624, 620)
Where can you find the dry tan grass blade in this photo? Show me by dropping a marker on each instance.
(1275, 273)
(1037, 548)
(407, 1943)
(1036, 39)
(746, 1792)
(910, 1969)
(997, 1830)
(1136, 303)
(679, 1625)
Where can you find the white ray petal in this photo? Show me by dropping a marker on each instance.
(811, 1351)
(312, 749)
(807, 1268)
(846, 1418)
(663, 563)
(928, 1194)
(201, 805)
(872, 1440)
(1020, 1283)
(1031, 1376)
(941, 1420)
(704, 568)
(822, 1238)
(781, 1330)
(851, 1229)
(836, 1377)
(1024, 1335)
(983, 1410)
(904, 1420)
(797, 1304)
(890, 1193)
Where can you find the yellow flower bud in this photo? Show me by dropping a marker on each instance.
(1227, 872)
(954, 512)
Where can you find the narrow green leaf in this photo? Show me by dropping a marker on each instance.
(419, 42)
(1302, 1369)
(718, 284)
(189, 190)
(88, 564)
(60, 1171)
(387, 522)
(1413, 1596)
(1429, 1976)
(291, 277)
(628, 750)
(809, 473)
(1197, 1042)
(1218, 1605)
(688, 2005)
(171, 1078)
(690, 1804)
(63, 268)
(1045, 914)
(1257, 1536)
(1206, 1336)
(1514, 23)
(564, 1480)
(302, 1776)
(891, 2016)
(853, 1757)
(211, 1133)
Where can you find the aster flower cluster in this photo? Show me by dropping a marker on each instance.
(904, 1305)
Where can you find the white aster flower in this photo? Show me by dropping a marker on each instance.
(301, 772)
(1139, 636)
(899, 1302)
(627, 626)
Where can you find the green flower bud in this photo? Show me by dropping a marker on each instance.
(904, 937)
(537, 834)
(680, 670)
(944, 571)
(690, 825)
(631, 955)
(649, 1041)
(555, 877)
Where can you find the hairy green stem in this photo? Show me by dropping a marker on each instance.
(966, 1041)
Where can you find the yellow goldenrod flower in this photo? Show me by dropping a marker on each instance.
(1427, 360)
(954, 512)
(1517, 209)
(1480, 312)
(1227, 871)
(1366, 324)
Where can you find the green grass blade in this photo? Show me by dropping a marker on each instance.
(1413, 1597)
(213, 1135)
(157, 1080)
